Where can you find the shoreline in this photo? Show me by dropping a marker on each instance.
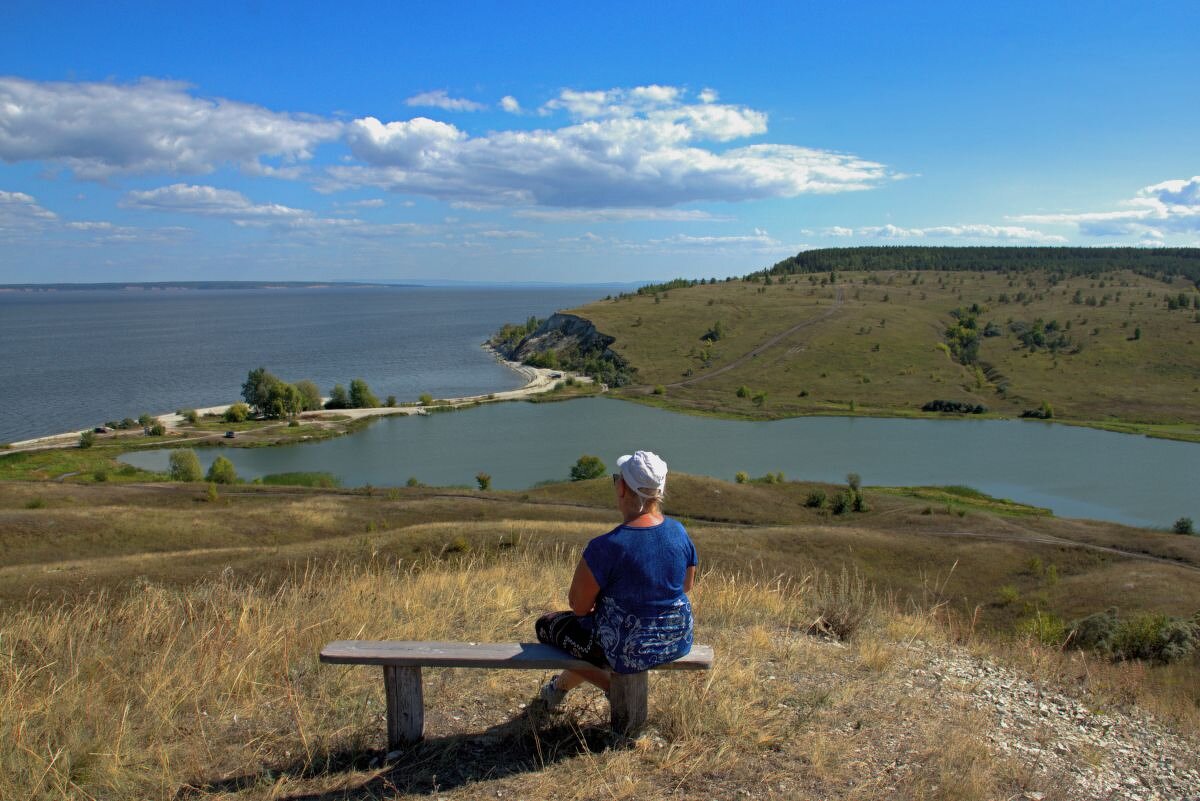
(538, 380)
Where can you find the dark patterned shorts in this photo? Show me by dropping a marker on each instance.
(571, 634)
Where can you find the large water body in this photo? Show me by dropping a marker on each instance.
(74, 359)
(1076, 472)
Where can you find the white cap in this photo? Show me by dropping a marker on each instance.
(644, 473)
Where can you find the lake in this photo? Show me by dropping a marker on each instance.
(1076, 472)
(75, 359)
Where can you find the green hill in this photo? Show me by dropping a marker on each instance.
(1093, 336)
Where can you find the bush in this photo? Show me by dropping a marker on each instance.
(816, 499)
(853, 481)
(157, 430)
(413, 482)
(1150, 636)
(840, 605)
(87, 439)
(483, 480)
(390, 402)
(361, 396)
(741, 477)
(1046, 628)
(237, 413)
(190, 415)
(743, 391)
(302, 479)
(339, 398)
(185, 466)
(426, 399)
(222, 471)
(310, 396)
(587, 467)
(1183, 526)
(100, 474)
(842, 502)
(659, 389)
(954, 407)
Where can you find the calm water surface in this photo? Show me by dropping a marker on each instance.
(74, 359)
(1076, 472)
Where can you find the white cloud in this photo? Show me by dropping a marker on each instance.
(1169, 207)
(102, 129)
(22, 218)
(440, 99)
(759, 237)
(509, 234)
(618, 215)
(372, 203)
(206, 201)
(510, 104)
(972, 231)
(20, 212)
(627, 148)
(708, 95)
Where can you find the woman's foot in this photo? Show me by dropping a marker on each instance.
(551, 695)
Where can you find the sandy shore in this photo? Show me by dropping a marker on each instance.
(537, 381)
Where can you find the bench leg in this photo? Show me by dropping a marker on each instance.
(627, 700)
(405, 706)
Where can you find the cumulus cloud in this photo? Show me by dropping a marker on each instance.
(22, 218)
(206, 201)
(1169, 207)
(20, 212)
(510, 104)
(617, 215)
(98, 130)
(509, 234)
(643, 147)
(440, 99)
(973, 231)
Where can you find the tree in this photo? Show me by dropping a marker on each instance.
(483, 480)
(190, 415)
(587, 467)
(256, 390)
(185, 466)
(222, 472)
(741, 476)
(1183, 526)
(426, 399)
(87, 439)
(310, 395)
(338, 398)
(145, 419)
(237, 413)
(156, 430)
(361, 396)
(390, 402)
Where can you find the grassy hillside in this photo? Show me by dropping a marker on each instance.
(182, 661)
(1122, 351)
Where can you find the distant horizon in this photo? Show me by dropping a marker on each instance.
(573, 145)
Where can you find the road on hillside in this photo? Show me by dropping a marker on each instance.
(770, 343)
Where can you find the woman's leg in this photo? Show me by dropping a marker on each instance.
(566, 631)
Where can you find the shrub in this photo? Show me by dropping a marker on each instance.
(302, 479)
(1151, 636)
(587, 467)
(1045, 627)
(483, 480)
(87, 439)
(840, 605)
(210, 494)
(185, 466)
(390, 402)
(816, 499)
(361, 396)
(1183, 526)
(35, 503)
(854, 481)
(741, 477)
(413, 482)
(237, 413)
(1009, 595)
(659, 389)
(842, 502)
(157, 430)
(426, 399)
(339, 398)
(743, 391)
(760, 398)
(190, 415)
(222, 471)
(100, 474)
(859, 502)
(310, 396)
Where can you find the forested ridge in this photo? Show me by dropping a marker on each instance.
(1068, 261)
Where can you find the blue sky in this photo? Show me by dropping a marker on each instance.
(552, 142)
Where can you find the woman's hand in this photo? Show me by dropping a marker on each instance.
(584, 589)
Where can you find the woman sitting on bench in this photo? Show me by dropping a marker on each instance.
(629, 605)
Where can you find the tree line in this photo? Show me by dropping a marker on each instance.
(266, 395)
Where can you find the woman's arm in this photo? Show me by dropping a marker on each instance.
(584, 589)
(689, 578)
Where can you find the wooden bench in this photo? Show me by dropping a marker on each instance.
(402, 662)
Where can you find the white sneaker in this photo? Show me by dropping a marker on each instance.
(551, 696)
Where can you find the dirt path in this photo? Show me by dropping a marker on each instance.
(770, 343)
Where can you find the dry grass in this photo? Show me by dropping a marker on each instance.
(214, 691)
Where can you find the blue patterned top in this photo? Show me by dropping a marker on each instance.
(643, 617)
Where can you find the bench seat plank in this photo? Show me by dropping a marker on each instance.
(515, 655)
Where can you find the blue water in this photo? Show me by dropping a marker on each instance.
(75, 359)
(1076, 472)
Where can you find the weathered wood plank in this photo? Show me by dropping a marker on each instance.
(405, 700)
(628, 702)
(514, 655)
